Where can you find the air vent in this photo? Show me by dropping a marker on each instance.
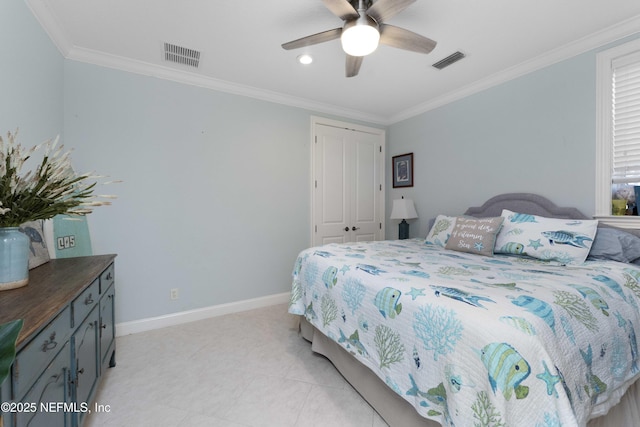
(181, 55)
(454, 57)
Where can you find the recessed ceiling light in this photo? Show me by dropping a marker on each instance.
(305, 59)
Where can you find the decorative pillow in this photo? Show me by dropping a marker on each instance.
(475, 235)
(616, 245)
(567, 241)
(441, 230)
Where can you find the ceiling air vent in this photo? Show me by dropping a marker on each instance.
(454, 57)
(181, 55)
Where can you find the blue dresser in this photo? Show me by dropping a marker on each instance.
(66, 343)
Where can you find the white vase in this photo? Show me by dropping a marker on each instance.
(14, 258)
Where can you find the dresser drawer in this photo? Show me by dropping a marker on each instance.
(50, 388)
(107, 278)
(39, 352)
(82, 305)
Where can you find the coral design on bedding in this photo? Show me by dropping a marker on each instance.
(474, 340)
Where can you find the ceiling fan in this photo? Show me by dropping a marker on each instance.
(364, 28)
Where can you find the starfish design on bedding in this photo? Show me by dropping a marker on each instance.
(535, 244)
(550, 379)
(415, 293)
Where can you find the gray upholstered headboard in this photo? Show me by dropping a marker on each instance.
(527, 203)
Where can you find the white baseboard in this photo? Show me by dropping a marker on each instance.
(151, 323)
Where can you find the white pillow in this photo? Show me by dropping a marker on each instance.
(441, 230)
(567, 241)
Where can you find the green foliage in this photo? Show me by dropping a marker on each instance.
(632, 284)
(485, 413)
(52, 188)
(577, 308)
(8, 337)
(329, 310)
(296, 292)
(390, 348)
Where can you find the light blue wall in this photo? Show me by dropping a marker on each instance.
(215, 198)
(31, 75)
(535, 133)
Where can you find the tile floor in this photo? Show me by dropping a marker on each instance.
(247, 369)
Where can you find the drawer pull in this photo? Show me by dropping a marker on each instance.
(81, 371)
(49, 344)
(89, 299)
(109, 276)
(103, 326)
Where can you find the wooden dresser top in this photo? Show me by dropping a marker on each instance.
(52, 286)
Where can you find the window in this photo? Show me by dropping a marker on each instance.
(618, 132)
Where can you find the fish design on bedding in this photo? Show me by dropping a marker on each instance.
(460, 295)
(455, 362)
(538, 307)
(593, 297)
(387, 301)
(353, 341)
(506, 369)
(563, 237)
(520, 218)
(611, 284)
(513, 248)
(436, 395)
(520, 323)
(330, 277)
(371, 269)
(595, 386)
(634, 348)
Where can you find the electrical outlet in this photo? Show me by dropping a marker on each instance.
(174, 293)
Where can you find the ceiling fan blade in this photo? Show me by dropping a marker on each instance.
(405, 39)
(322, 37)
(382, 10)
(341, 8)
(353, 65)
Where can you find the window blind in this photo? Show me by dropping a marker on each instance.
(626, 120)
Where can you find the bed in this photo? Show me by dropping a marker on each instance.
(434, 335)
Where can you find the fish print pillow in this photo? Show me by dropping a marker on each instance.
(566, 241)
(475, 235)
(441, 230)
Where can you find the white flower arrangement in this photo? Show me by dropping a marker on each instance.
(52, 188)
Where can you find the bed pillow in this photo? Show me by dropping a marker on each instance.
(474, 235)
(566, 241)
(616, 245)
(441, 230)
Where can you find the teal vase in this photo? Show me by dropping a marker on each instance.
(14, 258)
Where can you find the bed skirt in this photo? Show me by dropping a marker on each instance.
(397, 412)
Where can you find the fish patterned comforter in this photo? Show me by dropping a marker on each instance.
(473, 340)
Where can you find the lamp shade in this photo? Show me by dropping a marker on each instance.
(403, 209)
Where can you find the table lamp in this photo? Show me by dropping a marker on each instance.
(403, 209)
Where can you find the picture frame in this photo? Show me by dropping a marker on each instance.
(38, 250)
(402, 170)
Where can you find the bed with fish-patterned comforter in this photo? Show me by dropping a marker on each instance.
(474, 340)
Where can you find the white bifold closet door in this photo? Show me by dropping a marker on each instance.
(348, 194)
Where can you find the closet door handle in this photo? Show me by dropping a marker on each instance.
(355, 228)
(346, 229)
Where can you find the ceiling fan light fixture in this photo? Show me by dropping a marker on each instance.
(360, 37)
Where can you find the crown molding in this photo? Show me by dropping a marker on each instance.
(48, 21)
(619, 31)
(195, 79)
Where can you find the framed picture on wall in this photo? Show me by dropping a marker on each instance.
(402, 170)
